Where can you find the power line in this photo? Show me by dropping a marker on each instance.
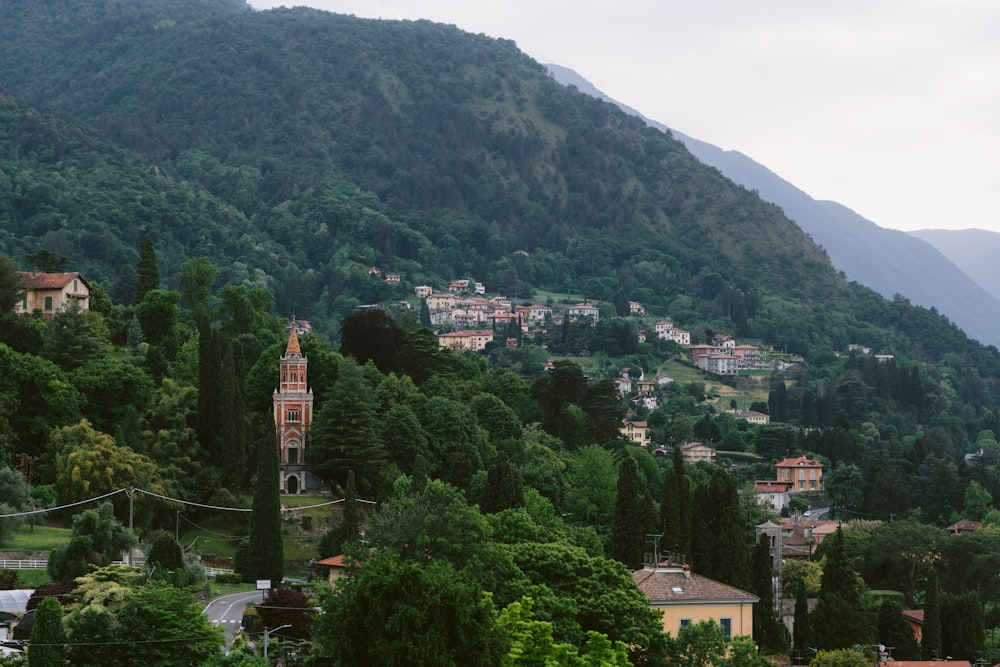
(62, 507)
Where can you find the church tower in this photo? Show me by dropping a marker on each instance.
(293, 413)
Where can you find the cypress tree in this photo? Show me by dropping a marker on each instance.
(628, 532)
(47, 645)
(675, 508)
(802, 632)
(504, 488)
(419, 475)
(425, 313)
(765, 626)
(209, 389)
(267, 555)
(231, 425)
(147, 271)
(930, 645)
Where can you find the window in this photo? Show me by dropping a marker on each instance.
(48, 303)
(293, 455)
(685, 622)
(727, 627)
(293, 415)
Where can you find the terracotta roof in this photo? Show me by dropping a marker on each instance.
(915, 615)
(769, 485)
(293, 345)
(798, 462)
(339, 561)
(666, 584)
(964, 526)
(48, 280)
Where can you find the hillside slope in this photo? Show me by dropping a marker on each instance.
(340, 144)
(888, 261)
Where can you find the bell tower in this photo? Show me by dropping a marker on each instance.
(293, 412)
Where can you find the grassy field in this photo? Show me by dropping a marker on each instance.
(38, 538)
(34, 578)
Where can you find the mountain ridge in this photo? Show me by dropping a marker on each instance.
(888, 261)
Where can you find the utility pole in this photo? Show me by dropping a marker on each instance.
(130, 492)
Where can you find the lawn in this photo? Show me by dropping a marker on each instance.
(34, 578)
(38, 538)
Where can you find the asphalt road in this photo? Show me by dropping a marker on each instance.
(227, 611)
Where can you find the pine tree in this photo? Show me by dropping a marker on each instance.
(147, 271)
(930, 644)
(47, 645)
(209, 389)
(267, 556)
(628, 532)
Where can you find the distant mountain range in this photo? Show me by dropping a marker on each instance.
(954, 273)
(973, 250)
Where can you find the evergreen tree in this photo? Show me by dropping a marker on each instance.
(231, 425)
(209, 389)
(962, 636)
(147, 271)
(628, 532)
(345, 432)
(504, 488)
(719, 546)
(894, 631)
(766, 631)
(345, 535)
(267, 556)
(930, 643)
(839, 620)
(675, 508)
(425, 313)
(801, 629)
(75, 337)
(47, 645)
(419, 475)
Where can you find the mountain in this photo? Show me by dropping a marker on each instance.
(888, 261)
(972, 250)
(298, 148)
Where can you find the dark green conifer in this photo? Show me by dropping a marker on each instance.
(628, 532)
(47, 645)
(930, 643)
(267, 555)
(504, 487)
(147, 271)
(231, 425)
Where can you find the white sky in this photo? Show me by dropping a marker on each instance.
(890, 107)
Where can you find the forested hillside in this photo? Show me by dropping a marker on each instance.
(212, 169)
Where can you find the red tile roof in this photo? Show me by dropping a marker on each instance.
(673, 584)
(799, 462)
(36, 281)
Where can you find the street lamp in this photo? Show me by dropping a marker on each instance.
(267, 633)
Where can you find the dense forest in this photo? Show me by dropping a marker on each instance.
(211, 170)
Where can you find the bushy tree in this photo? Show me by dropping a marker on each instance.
(47, 645)
(97, 539)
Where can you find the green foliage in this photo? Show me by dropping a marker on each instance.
(700, 644)
(840, 658)
(98, 539)
(267, 555)
(634, 518)
(147, 271)
(437, 617)
(47, 644)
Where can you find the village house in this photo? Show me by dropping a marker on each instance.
(392, 278)
(499, 301)
(636, 308)
(804, 474)
(440, 301)
(697, 451)
(49, 293)
(686, 598)
(751, 416)
(667, 331)
(775, 494)
(423, 291)
(584, 310)
(472, 339)
(636, 432)
(624, 385)
(719, 364)
(458, 286)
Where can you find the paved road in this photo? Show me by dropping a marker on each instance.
(227, 611)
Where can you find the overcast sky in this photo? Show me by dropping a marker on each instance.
(890, 107)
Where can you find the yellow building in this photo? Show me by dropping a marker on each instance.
(48, 293)
(685, 598)
(804, 474)
(636, 432)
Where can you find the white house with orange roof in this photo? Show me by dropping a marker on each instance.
(584, 310)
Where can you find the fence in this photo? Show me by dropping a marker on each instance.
(6, 564)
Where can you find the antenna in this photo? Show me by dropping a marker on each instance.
(654, 539)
